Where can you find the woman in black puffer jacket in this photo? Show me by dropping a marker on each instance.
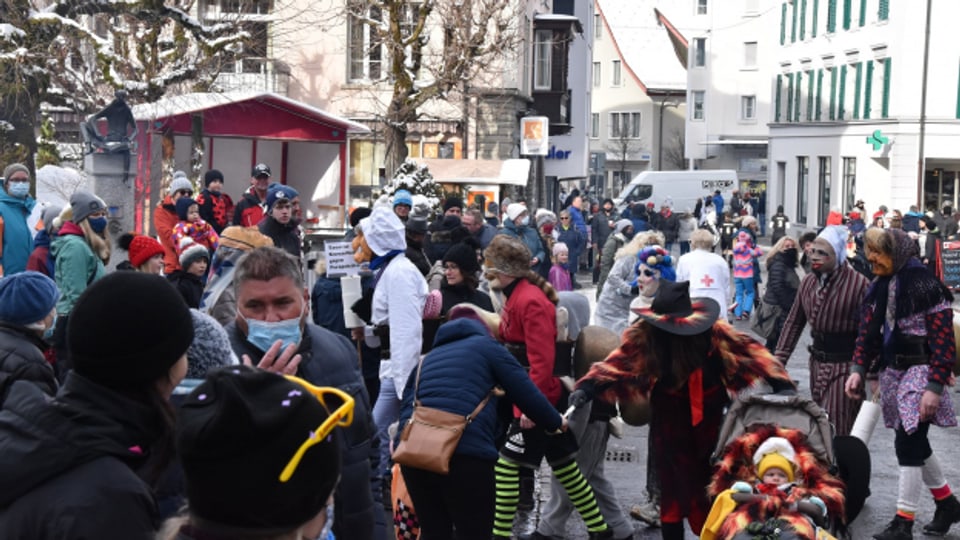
(782, 283)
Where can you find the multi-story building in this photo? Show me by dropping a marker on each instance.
(865, 106)
(316, 53)
(731, 59)
(638, 90)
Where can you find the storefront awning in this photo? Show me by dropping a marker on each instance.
(513, 172)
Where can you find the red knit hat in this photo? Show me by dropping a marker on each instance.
(142, 248)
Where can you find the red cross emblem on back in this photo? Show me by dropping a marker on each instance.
(707, 280)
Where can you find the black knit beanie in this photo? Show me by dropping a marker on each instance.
(452, 202)
(464, 256)
(236, 433)
(128, 329)
(211, 176)
(183, 205)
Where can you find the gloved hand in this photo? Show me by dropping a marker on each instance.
(578, 398)
(742, 487)
(820, 504)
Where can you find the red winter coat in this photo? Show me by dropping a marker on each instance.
(530, 318)
(164, 220)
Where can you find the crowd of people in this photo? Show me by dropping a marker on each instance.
(154, 401)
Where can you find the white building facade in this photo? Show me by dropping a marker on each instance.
(731, 59)
(638, 92)
(849, 121)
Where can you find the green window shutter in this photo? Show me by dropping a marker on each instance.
(803, 18)
(783, 23)
(813, 23)
(884, 12)
(819, 102)
(841, 111)
(796, 100)
(831, 16)
(833, 93)
(789, 97)
(868, 91)
(793, 26)
(776, 98)
(847, 8)
(809, 95)
(856, 91)
(863, 12)
(958, 97)
(885, 103)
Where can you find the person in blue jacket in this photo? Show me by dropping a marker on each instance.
(518, 225)
(15, 206)
(466, 363)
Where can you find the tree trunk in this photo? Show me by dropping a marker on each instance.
(395, 139)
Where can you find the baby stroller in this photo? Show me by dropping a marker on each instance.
(824, 471)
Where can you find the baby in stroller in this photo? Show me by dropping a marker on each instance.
(770, 483)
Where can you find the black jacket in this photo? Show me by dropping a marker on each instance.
(284, 237)
(459, 294)
(329, 359)
(189, 285)
(21, 358)
(782, 281)
(69, 469)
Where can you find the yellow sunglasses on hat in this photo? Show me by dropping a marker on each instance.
(342, 416)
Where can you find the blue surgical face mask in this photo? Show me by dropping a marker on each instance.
(18, 189)
(263, 334)
(48, 333)
(524, 221)
(327, 532)
(98, 224)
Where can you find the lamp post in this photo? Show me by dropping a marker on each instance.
(663, 104)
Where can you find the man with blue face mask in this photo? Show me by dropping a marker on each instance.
(273, 316)
(15, 205)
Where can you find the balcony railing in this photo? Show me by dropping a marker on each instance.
(255, 74)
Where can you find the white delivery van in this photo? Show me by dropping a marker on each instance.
(683, 187)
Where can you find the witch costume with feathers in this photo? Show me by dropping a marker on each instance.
(686, 363)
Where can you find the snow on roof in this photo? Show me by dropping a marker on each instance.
(554, 17)
(193, 102)
(644, 44)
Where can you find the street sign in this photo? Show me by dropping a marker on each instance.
(534, 136)
(877, 140)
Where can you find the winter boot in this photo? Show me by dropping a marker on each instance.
(602, 535)
(898, 529)
(947, 513)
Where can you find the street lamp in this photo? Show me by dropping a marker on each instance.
(663, 104)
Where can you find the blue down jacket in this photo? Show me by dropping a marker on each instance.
(463, 366)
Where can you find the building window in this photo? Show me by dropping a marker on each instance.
(597, 26)
(849, 182)
(616, 81)
(365, 55)
(542, 46)
(824, 188)
(701, 7)
(596, 75)
(594, 125)
(624, 125)
(697, 97)
(883, 12)
(699, 52)
(803, 174)
(246, 7)
(750, 54)
(748, 107)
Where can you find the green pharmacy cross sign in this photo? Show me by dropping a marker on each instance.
(877, 140)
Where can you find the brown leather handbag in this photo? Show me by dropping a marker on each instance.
(430, 436)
